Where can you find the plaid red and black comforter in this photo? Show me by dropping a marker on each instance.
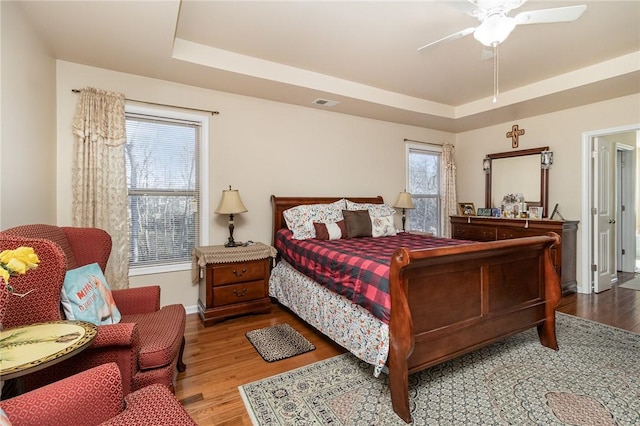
(356, 268)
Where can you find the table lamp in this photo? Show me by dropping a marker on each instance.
(404, 202)
(231, 204)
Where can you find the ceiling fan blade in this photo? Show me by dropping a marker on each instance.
(449, 38)
(547, 16)
(470, 7)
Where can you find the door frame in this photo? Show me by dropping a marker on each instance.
(586, 284)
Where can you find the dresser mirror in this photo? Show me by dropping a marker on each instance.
(515, 172)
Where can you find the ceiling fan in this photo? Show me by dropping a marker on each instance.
(495, 26)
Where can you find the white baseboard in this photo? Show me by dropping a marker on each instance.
(193, 309)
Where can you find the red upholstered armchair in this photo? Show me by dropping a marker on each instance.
(147, 344)
(95, 397)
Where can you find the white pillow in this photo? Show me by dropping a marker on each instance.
(375, 210)
(383, 226)
(300, 219)
(86, 296)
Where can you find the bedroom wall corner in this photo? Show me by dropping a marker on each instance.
(28, 116)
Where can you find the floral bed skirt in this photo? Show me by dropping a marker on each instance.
(349, 325)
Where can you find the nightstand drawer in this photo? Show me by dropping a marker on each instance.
(238, 272)
(236, 293)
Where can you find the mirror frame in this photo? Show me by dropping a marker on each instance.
(544, 177)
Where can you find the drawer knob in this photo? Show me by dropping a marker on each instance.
(244, 270)
(242, 293)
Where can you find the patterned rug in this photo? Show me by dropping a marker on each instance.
(594, 379)
(279, 342)
(633, 284)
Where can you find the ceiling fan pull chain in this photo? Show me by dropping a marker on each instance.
(495, 73)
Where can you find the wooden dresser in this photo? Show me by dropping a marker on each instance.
(233, 281)
(491, 229)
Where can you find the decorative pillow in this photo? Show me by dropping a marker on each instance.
(357, 222)
(375, 210)
(383, 226)
(330, 231)
(300, 218)
(86, 296)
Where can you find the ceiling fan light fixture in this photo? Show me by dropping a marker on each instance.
(494, 30)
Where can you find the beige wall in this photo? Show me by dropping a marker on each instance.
(259, 147)
(28, 116)
(562, 132)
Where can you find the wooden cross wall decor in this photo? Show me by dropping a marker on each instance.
(514, 134)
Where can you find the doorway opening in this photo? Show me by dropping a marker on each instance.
(611, 230)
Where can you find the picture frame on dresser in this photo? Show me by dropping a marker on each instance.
(466, 209)
(535, 212)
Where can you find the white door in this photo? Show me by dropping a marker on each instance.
(625, 207)
(604, 215)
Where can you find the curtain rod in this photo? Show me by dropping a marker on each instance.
(428, 143)
(165, 105)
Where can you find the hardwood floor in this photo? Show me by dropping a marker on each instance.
(220, 358)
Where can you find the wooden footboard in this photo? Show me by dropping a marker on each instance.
(449, 301)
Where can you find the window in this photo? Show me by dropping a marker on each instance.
(423, 170)
(164, 153)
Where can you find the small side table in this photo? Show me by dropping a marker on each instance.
(232, 280)
(30, 348)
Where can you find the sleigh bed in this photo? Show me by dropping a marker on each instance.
(443, 301)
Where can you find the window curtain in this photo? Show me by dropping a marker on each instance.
(449, 199)
(99, 186)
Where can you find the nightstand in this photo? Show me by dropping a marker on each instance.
(232, 280)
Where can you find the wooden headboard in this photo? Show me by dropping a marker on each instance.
(280, 204)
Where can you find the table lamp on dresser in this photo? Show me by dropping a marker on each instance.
(231, 204)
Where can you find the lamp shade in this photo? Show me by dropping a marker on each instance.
(404, 201)
(230, 203)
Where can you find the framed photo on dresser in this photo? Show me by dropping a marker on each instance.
(535, 212)
(466, 209)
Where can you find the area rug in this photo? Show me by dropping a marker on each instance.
(594, 379)
(633, 284)
(279, 342)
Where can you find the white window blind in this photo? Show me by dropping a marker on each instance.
(163, 177)
(423, 166)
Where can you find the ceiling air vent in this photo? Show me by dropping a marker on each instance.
(325, 102)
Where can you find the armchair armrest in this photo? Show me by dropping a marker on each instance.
(122, 334)
(119, 343)
(137, 300)
(90, 397)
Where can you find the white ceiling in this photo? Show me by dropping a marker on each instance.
(360, 53)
